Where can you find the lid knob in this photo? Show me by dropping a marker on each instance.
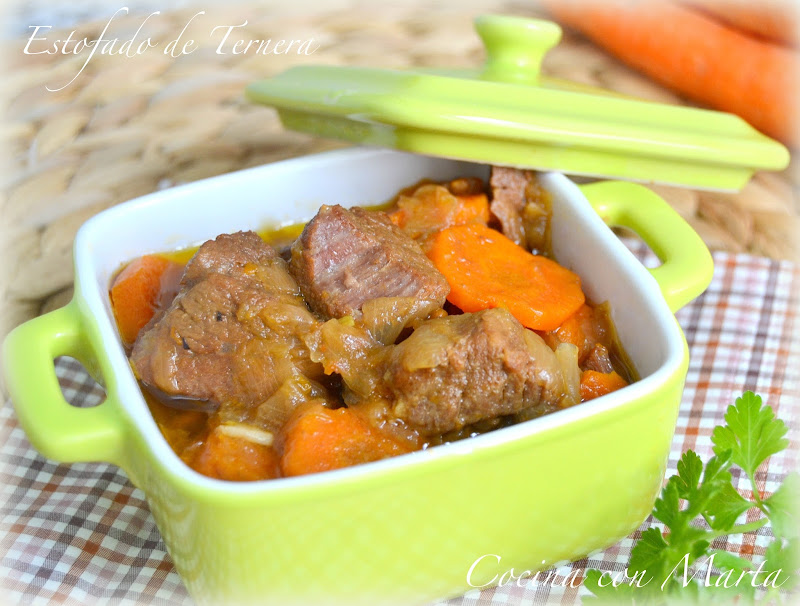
(515, 47)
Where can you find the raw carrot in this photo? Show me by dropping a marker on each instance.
(595, 384)
(696, 55)
(485, 269)
(230, 457)
(135, 294)
(775, 20)
(319, 439)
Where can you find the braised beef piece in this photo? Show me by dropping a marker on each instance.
(521, 207)
(233, 332)
(599, 359)
(228, 254)
(458, 370)
(345, 257)
(508, 200)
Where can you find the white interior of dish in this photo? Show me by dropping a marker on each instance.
(290, 192)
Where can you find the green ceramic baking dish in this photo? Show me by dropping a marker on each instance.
(404, 530)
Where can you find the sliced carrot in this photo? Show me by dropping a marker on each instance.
(584, 329)
(398, 217)
(595, 384)
(319, 439)
(485, 269)
(181, 428)
(431, 208)
(136, 291)
(229, 457)
(698, 56)
(473, 208)
(570, 331)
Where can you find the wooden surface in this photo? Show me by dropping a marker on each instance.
(129, 126)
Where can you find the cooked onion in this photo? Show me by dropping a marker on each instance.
(567, 356)
(280, 281)
(247, 432)
(275, 410)
(430, 346)
(548, 368)
(386, 317)
(350, 351)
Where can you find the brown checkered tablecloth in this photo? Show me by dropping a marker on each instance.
(82, 534)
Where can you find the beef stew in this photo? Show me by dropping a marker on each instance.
(347, 348)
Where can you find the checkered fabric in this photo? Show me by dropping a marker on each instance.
(82, 534)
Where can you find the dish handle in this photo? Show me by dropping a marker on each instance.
(57, 429)
(686, 265)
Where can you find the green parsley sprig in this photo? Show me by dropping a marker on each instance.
(700, 504)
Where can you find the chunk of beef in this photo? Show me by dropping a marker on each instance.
(228, 254)
(233, 332)
(345, 257)
(508, 200)
(458, 370)
(521, 206)
(599, 359)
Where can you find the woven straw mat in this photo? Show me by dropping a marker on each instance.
(129, 126)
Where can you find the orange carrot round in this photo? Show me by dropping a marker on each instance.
(485, 269)
(135, 293)
(227, 457)
(319, 439)
(697, 56)
(473, 208)
(595, 384)
(432, 207)
(570, 331)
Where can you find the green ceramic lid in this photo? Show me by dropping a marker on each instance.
(506, 114)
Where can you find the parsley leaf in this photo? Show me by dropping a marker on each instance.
(648, 551)
(690, 470)
(607, 592)
(782, 508)
(752, 433)
(784, 557)
(725, 507)
(700, 504)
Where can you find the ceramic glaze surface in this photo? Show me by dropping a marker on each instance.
(403, 530)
